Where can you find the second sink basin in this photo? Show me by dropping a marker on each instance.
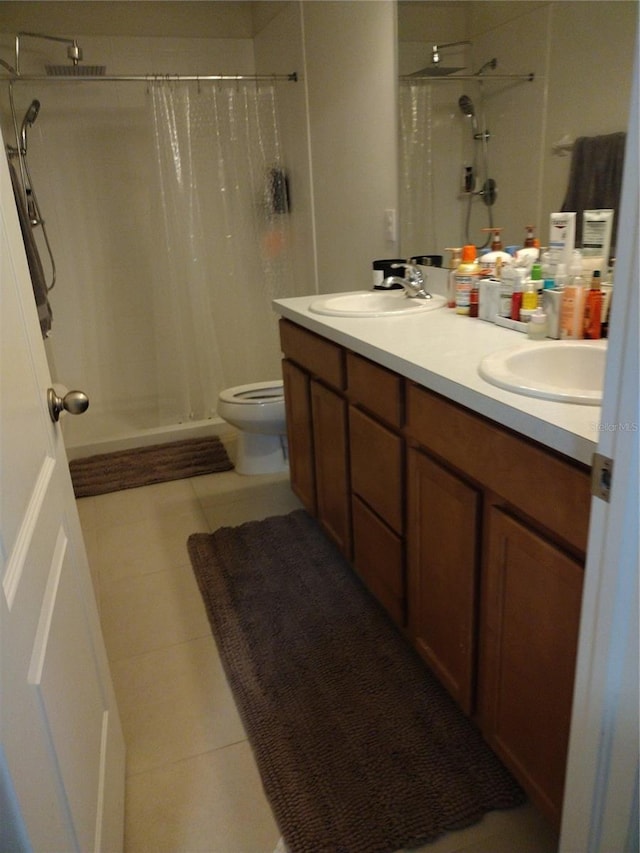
(374, 303)
(567, 371)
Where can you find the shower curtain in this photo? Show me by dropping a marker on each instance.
(222, 251)
(417, 197)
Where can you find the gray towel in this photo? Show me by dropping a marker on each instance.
(45, 315)
(595, 179)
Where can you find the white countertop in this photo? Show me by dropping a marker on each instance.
(441, 350)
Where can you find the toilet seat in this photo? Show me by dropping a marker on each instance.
(255, 394)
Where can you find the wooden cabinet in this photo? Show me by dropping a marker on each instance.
(297, 385)
(443, 569)
(496, 540)
(532, 595)
(376, 450)
(329, 417)
(470, 535)
(314, 376)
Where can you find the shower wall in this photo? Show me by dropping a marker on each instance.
(89, 155)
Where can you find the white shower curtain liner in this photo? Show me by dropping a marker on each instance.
(223, 241)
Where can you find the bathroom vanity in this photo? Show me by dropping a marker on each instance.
(463, 507)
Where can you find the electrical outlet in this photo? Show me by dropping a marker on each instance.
(390, 225)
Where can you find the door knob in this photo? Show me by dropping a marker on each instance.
(74, 402)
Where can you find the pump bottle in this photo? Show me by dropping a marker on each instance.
(466, 277)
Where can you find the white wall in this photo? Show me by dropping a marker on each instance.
(350, 76)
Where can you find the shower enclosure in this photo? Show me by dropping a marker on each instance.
(166, 206)
(453, 128)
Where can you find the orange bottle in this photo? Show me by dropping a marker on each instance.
(466, 278)
(593, 310)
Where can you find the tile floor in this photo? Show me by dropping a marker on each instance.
(192, 784)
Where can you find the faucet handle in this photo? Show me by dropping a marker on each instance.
(412, 271)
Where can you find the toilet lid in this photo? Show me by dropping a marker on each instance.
(255, 393)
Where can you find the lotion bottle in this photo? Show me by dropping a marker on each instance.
(572, 312)
(466, 277)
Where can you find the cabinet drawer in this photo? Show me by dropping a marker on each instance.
(320, 357)
(376, 467)
(554, 491)
(378, 559)
(375, 388)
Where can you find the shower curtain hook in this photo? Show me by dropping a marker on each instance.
(198, 84)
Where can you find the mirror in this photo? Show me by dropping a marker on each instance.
(492, 96)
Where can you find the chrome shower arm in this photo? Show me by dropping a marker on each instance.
(74, 52)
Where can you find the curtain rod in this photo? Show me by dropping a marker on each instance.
(530, 77)
(149, 78)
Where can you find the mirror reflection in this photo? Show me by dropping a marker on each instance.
(492, 97)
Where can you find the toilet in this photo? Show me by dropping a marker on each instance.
(257, 411)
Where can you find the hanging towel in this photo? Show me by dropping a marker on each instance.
(45, 315)
(595, 178)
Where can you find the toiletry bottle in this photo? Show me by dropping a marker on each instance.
(537, 325)
(454, 263)
(572, 312)
(548, 266)
(561, 277)
(474, 298)
(530, 295)
(529, 238)
(536, 278)
(593, 309)
(466, 276)
(517, 294)
(496, 242)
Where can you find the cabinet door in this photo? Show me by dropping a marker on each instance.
(329, 414)
(442, 549)
(297, 397)
(531, 611)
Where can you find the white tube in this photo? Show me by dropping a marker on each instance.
(562, 236)
(597, 226)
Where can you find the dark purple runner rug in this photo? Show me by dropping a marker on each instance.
(143, 466)
(359, 748)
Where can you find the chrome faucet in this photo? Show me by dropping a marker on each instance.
(413, 281)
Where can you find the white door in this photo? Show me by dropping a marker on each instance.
(61, 745)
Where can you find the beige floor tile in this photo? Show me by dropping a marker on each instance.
(230, 485)
(212, 803)
(520, 830)
(152, 611)
(136, 504)
(260, 502)
(175, 703)
(154, 544)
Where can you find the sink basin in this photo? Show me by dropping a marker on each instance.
(374, 303)
(567, 371)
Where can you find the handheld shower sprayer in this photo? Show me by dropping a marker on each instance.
(29, 118)
(466, 105)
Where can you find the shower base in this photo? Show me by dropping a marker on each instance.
(112, 432)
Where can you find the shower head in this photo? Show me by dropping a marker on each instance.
(29, 118)
(435, 71)
(75, 70)
(466, 105)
